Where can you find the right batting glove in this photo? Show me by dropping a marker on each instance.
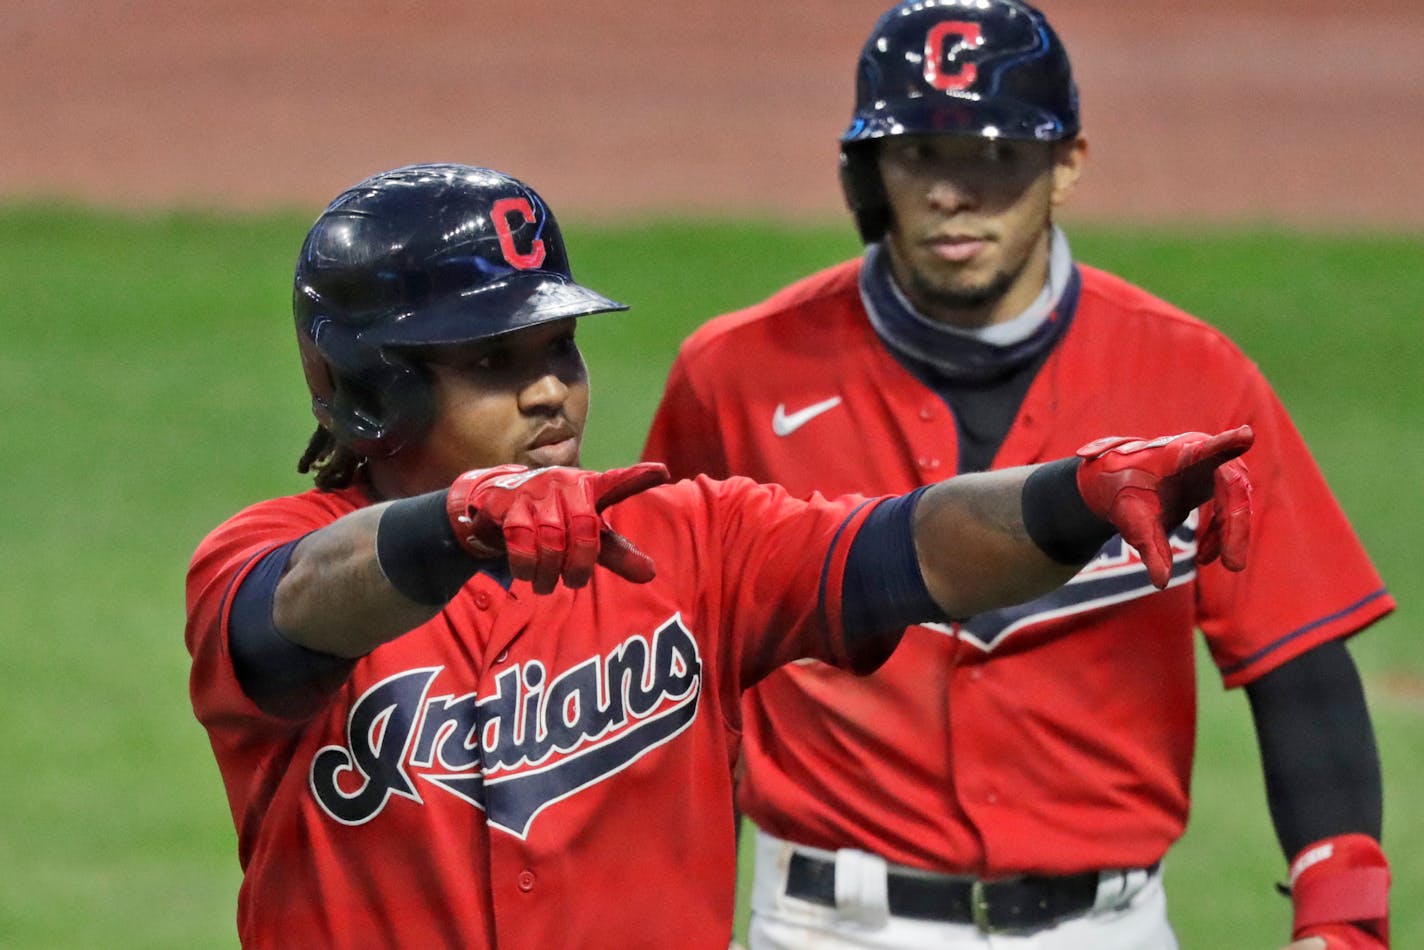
(1145, 489)
(549, 521)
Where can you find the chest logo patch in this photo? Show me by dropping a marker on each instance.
(784, 423)
(536, 739)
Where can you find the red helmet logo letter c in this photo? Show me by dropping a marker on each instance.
(501, 211)
(967, 36)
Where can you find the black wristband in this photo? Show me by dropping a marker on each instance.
(1056, 517)
(417, 550)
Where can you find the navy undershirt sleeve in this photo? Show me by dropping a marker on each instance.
(283, 678)
(883, 591)
(1317, 748)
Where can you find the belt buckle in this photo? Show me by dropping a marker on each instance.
(979, 907)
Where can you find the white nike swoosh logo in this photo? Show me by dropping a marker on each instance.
(784, 423)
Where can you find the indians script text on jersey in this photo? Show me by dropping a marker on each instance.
(520, 751)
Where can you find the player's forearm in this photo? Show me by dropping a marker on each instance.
(1317, 748)
(336, 599)
(1325, 796)
(975, 551)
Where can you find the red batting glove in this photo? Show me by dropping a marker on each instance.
(549, 522)
(1340, 892)
(1145, 489)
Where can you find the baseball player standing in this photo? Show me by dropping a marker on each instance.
(1038, 758)
(437, 723)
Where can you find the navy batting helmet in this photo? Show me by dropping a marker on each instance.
(420, 256)
(986, 68)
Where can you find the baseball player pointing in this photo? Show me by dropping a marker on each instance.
(1015, 779)
(465, 694)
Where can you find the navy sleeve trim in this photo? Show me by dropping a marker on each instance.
(1296, 634)
(883, 590)
(283, 678)
(830, 553)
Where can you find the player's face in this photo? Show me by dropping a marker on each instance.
(521, 397)
(969, 238)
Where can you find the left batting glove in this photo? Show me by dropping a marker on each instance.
(549, 521)
(1145, 489)
(1339, 889)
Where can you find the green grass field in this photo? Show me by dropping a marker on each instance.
(151, 387)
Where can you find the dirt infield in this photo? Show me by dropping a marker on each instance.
(1195, 110)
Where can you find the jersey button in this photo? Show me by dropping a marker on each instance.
(928, 464)
(976, 674)
(526, 880)
(927, 413)
(991, 798)
(482, 600)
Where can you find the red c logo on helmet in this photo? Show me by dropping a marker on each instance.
(968, 36)
(501, 211)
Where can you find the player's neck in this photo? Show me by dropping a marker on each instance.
(1019, 292)
(1009, 317)
(963, 354)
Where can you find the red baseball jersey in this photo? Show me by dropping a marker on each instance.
(523, 771)
(1056, 736)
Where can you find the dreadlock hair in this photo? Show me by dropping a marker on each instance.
(336, 466)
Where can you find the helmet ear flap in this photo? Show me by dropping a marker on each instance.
(864, 190)
(318, 374)
(375, 400)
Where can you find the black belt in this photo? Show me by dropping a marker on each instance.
(1018, 903)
